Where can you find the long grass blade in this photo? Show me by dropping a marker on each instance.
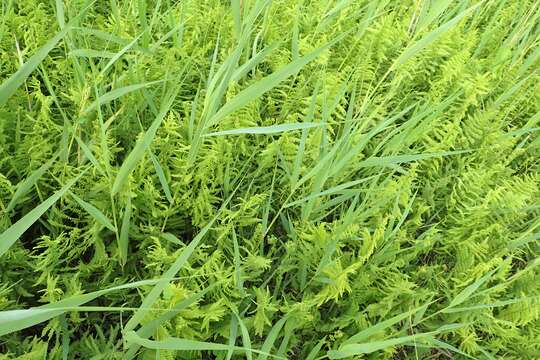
(15, 231)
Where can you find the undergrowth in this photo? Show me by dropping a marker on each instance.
(269, 179)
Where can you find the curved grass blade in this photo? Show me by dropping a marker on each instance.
(349, 350)
(91, 53)
(119, 54)
(260, 87)
(271, 338)
(315, 351)
(469, 290)
(88, 153)
(430, 37)
(149, 328)
(154, 294)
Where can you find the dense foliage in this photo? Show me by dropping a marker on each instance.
(270, 179)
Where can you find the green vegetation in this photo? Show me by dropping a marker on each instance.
(256, 179)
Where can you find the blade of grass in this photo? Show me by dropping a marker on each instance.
(161, 177)
(271, 338)
(123, 239)
(15, 320)
(469, 290)
(91, 53)
(8, 87)
(266, 130)
(350, 350)
(260, 87)
(430, 37)
(94, 212)
(154, 294)
(149, 328)
(26, 185)
(119, 54)
(88, 153)
(380, 326)
(140, 148)
(316, 349)
(15, 231)
(117, 93)
(174, 343)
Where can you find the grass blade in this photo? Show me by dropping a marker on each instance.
(138, 151)
(260, 87)
(430, 37)
(15, 231)
(117, 93)
(124, 231)
(161, 176)
(8, 87)
(267, 130)
(15, 320)
(91, 53)
(26, 185)
(94, 212)
(469, 290)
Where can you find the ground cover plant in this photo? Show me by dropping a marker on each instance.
(214, 179)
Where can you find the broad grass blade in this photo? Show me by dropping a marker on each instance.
(15, 320)
(269, 82)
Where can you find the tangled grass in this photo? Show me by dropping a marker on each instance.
(270, 179)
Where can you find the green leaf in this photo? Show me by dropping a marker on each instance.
(142, 145)
(267, 130)
(380, 326)
(119, 54)
(469, 290)
(316, 349)
(260, 87)
(15, 231)
(149, 328)
(161, 177)
(350, 350)
(376, 161)
(171, 238)
(174, 343)
(15, 320)
(8, 87)
(117, 93)
(88, 153)
(91, 53)
(26, 185)
(430, 37)
(94, 212)
(271, 338)
(154, 294)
